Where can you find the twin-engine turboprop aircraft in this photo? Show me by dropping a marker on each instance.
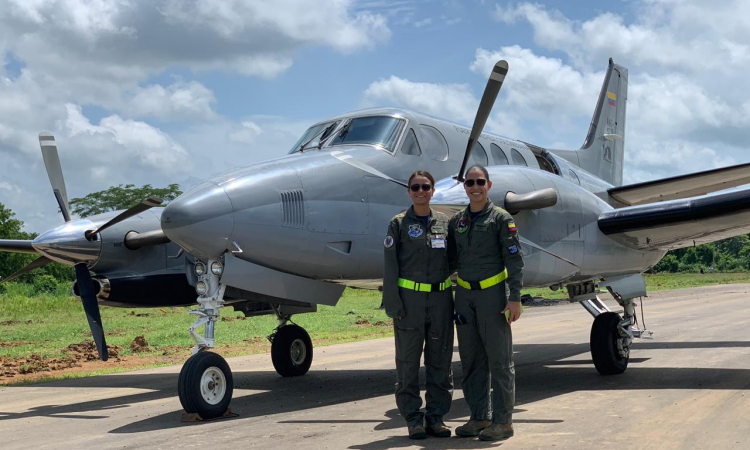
(282, 236)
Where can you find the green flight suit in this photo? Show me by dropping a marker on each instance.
(420, 255)
(481, 248)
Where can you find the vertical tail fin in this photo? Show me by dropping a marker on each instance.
(603, 150)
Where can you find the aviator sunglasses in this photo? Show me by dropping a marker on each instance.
(425, 187)
(480, 182)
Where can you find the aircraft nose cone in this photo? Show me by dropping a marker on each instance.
(200, 221)
(67, 243)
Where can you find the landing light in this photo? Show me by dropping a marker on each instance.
(217, 268)
(200, 269)
(201, 288)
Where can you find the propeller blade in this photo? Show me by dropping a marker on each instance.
(54, 171)
(542, 198)
(485, 107)
(348, 159)
(130, 212)
(16, 246)
(91, 307)
(35, 264)
(531, 244)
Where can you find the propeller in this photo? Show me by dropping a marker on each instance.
(35, 264)
(348, 159)
(494, 83)
(54, 171)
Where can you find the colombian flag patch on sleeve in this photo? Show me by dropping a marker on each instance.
(512, 227)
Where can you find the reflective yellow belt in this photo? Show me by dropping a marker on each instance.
(484, 284)
(424, 287)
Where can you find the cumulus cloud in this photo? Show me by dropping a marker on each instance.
(180, 100)
(686, 60)
(455, 102)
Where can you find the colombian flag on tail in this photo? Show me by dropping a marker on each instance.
(611, 98)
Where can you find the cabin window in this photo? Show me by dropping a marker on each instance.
(498, 155)
(434, 142)
(380, 131)
(574, 177)
(479, 155)
(518, 158)
(410, 145)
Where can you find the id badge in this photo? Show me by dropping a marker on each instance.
(437, 243)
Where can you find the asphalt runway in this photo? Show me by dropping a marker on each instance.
(688, 388)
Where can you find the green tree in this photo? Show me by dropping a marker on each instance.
(11, 228)
(121, 197)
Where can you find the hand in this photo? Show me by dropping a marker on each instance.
(514, 309)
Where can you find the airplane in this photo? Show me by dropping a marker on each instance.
(285, 235)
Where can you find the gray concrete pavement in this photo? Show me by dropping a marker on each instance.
(689, 388)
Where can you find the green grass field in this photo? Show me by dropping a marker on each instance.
(45, 325)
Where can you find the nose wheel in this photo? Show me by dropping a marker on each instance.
(205, 385)
(610, 349)
(291, 351)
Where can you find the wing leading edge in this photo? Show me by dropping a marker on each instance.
(679, 223)
(683, 186)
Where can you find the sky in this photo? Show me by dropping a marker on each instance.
(174, 91)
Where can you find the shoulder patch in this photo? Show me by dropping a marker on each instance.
(513, 249)
(388, 241)
(512, 227)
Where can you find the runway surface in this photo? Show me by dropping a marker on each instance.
(688, 388)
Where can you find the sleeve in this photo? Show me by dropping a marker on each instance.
(392, 303)
(512, 255)
(452, 249)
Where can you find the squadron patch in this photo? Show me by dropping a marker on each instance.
(388, 242)
(415, 230)
(512, 227)
(463, 225)
(513, 249)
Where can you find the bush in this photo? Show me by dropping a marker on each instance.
(44, 284)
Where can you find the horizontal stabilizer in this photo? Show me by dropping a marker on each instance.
(683, 186)
(679, 223)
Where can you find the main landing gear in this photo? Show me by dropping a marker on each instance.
(206, 385)
(611, 334)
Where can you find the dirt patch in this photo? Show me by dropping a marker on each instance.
(232, 319)
(361, 321)
(13, 322)
(139, 345)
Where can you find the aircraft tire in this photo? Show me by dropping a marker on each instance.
(205, 385)
(291, 351)
(604, 352)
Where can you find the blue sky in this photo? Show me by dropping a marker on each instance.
(169, 91)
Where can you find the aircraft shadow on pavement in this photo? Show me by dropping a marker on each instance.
(542, 371)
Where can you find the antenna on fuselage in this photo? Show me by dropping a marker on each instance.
(494, 84)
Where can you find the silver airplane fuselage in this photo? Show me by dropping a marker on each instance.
(310, 214)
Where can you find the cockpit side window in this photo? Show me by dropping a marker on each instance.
(380, 131)
(410, 145)
(434, 142)
(314, 136)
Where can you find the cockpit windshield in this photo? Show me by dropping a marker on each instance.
(380, 131)
(314, 136)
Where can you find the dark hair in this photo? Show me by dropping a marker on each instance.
(422, 173)
(479, 167)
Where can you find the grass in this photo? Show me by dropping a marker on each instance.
(46, 324)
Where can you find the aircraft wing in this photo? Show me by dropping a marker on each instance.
(682, 186)
(679, 223)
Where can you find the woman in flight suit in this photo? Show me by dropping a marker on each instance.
(484, 245)
(417, 294)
